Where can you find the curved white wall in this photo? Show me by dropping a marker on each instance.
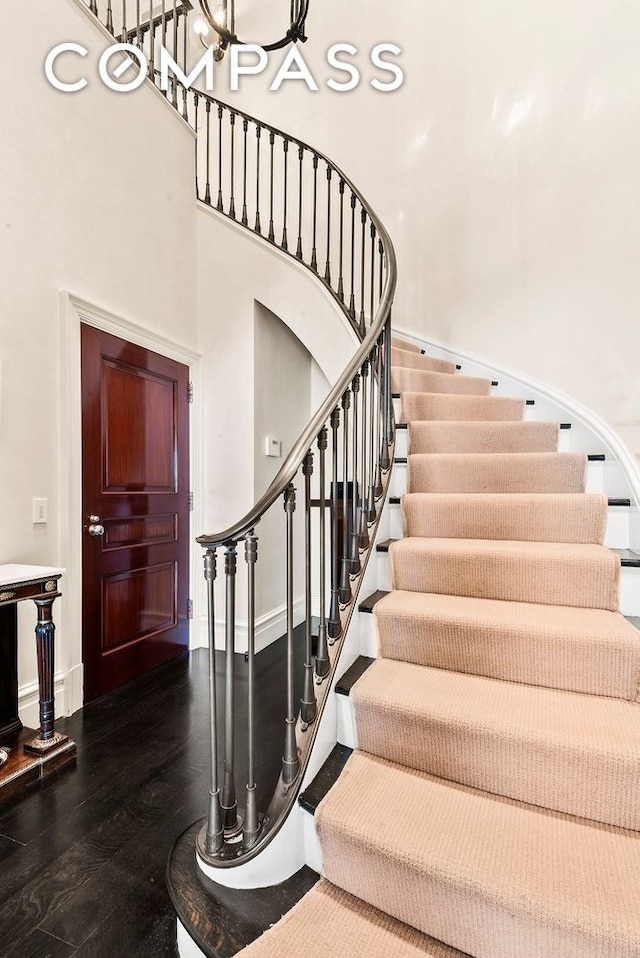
(236, 270)
(506, 169)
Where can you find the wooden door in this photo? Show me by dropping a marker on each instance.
(135, 428)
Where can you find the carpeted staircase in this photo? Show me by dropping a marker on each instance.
(492, 807)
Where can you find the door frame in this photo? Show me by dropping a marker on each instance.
(73, 311)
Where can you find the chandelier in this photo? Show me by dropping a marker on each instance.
(223, 21)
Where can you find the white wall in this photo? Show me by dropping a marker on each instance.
(235, 271)
(255, 276)
(282, 407)
(506, 169)
(96, 195)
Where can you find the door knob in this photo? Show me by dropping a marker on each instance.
(95, 529)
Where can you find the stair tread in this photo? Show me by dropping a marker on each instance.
(368, 604)
(325, 779)
(481, 436)
(407, 379)
(501, 613)
(464, 853)
(408, 345)
(560, 750)
(384, 546)
(415, 360)
(628, 557)
(425, 406)
(497, 472)
(576, 574)
(346, 682)
(592, 651)
(538, 516)
(516, 709)
(506, 547)
(328, 922)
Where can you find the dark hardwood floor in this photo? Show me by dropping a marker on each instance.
(83, 856)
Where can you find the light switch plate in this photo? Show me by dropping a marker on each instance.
(272, 447)
(40, 509)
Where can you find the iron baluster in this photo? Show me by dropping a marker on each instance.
(124, 20)
(327, 268)
(334, 626)
(258, 225)
(341, 252)
(185, 24)
(245, 127)
(322, 651)
(93, 7)
(229, 802)
(196, 104)
(163, 21)
(377, 488)
(373, 270)
(271, 234)
(352, 297)
(308, 707)
(290, 759)
(232, 175)
(381, 252)
(251, 827)
(363, 325)
(363, 530)
(110, 18)
(345, 585)
(207, 189)
(220, 203)
(285, 146)
(354, 564)
(215, 833)
(314, 252)
(299, 253)
(152, 50)
(174, 82)
(375, 440)
(385, 460)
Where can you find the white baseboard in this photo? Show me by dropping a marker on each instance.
(28, 698)
(68, 689)
(269, 627)
(75, 689)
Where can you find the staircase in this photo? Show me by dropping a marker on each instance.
(491, 807)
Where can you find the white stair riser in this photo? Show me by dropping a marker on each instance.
(629, 584)
(368, 643)
(383, 571)
(630, 591)
(313, 852)
(346, 721)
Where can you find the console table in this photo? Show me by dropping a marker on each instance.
(27, 755)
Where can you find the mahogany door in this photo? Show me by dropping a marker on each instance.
(135, 428)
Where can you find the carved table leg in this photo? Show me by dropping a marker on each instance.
(45, 632)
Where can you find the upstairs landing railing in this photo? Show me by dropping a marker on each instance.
(336, 474)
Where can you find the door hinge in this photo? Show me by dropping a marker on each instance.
(190, 501)
(189, 392)
(190, 609)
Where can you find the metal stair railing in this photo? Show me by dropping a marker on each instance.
(332, 482)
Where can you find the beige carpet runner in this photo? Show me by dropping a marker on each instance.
(492, 807)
